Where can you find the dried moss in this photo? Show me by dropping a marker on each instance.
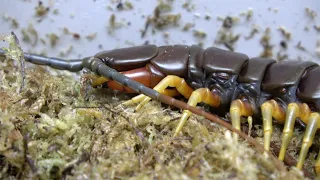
(254, 30)
(53, 37)
(114, 24)
(59, 128)
(14, 23)
(41, 10)
(225, 35)
(266, 44)
(15, 52)
(162, 18)
(30, 35)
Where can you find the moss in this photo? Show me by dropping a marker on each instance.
(162, 18)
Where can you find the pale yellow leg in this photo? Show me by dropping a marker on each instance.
(270, 109)
(96, 80)
(250, 121)
(170, 92)
(317, 165)
(239, 108)
(294, 110)
(169, 81)
(99, 80)
(312, 126)
(291, 115)
(197, 96)
(141, 97)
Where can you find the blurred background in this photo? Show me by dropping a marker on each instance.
(286, 29)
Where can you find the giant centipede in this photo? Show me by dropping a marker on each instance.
(227, 82)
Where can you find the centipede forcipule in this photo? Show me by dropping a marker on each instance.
(227, 82)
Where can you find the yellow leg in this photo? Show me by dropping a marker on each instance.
(96, 80)
(291, 115)
(239, 108)
(197, 96)
(294, 110)
(270, 109)
(169, 81)
(170, 92)
(250, 125)
(139, 98)
(312, 126)
(99, 80)
(317, 165)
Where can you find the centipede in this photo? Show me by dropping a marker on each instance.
(267, 90)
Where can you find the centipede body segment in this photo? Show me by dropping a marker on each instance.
(227, 82)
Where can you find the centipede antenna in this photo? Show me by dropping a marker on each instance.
(56, 63)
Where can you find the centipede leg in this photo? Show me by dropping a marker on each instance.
(313, 125)
(99, 80)
(239, 108)
(317, 165)
(169, 81)
(96, 80)
(197, 96)
(293, 111)
(270, 109)
(141, 97)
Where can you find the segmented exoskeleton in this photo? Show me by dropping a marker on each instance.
(228, 82)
